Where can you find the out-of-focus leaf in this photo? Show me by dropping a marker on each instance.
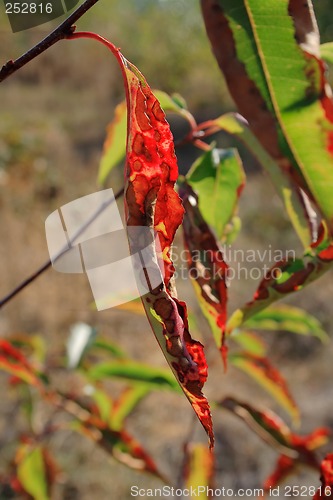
(134, 306)
(121, 446)
(305, 447)
(110, 348)
(261, 370)
(32, 473)
(126, 403)
(294, 449)
(152, 202)
(81, 338)
(326, 477)
(135, 372)
(296, 204)
(199, 470)
(14, 362)
(218, 178)
(114, 148)
(266, 424)
(289, 318)
(250, 342)
(326, 52)
(207, 267)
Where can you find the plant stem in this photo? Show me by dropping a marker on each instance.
(62, 31)
(48, 263)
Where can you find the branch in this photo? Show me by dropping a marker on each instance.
(62, 31)
(48, 263)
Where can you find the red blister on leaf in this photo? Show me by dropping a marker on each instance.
(206, 265)
(151, 201)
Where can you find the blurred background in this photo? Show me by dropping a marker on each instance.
(54, 113)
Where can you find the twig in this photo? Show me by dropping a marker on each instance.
(65, 249)
(62, 31)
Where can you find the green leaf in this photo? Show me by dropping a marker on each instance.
(268, 377)
(114, 148)
(326, 52)
(218, 178)
(289, 318)
(135, 372)
(31, 473)
(292, 85)
(301, 216)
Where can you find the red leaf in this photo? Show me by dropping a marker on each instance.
(151, 201)
(207, 267)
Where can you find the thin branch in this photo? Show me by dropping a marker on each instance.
(65, 249)
(62, 31)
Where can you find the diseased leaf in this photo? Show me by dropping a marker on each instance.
(207, 267)
(199, 470)
(217, 177)
(279, 88)
(305, 447)
(326, 477)
(114, 148)
(110, 348)
(118, 443)
(135, 372)
(261, 370)
(151, 201)
(295, 201)
(266, 424)
(289, 318)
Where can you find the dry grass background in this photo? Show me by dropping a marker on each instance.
(54, 113)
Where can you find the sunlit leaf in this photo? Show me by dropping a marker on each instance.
(268, 377)
(285, 277)
(279, 88)
(151, 201)
(218, 178)
(289, 318)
